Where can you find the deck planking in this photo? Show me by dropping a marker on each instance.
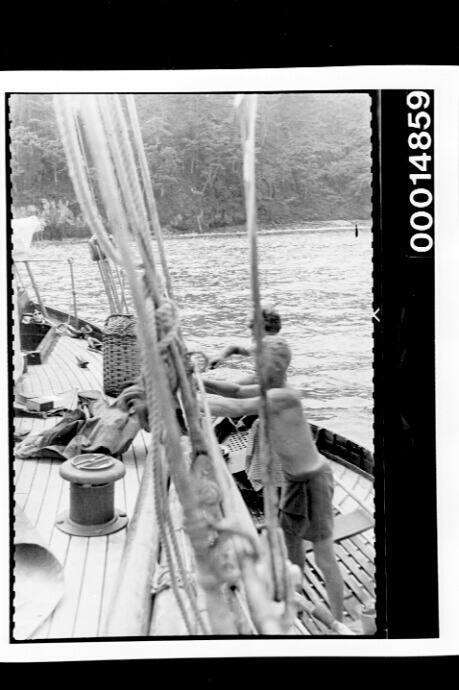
(90, 564)
(355, 555)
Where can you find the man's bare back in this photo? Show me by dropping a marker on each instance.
(291, 434)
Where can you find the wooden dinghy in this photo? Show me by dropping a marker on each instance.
(91, 564)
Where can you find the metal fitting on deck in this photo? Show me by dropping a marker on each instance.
(92, 513)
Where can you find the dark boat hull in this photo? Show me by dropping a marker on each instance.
(332, 445)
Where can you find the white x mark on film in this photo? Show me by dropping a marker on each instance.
(376, 318)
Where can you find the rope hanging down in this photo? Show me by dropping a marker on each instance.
(108, 186)
(247, 106)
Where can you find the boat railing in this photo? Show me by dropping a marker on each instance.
(112, 278)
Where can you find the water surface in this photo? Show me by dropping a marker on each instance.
(319, 280)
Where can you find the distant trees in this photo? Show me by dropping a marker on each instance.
(313, 160)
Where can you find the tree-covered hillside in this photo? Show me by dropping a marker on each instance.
(313, 160)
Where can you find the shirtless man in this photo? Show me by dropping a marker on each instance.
(246, 386)
(306, 505)
(272, 324)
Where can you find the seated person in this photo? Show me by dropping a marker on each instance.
(306, 510)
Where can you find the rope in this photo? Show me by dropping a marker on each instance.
(72, 142)
(248, 112)
(147, 185)
(120, 275)
(154, 373)
(19, 277)
(72, 285)
(107, 140)
(123, 158)
(167, 322)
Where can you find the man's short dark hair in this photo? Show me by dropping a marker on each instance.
(272, 320)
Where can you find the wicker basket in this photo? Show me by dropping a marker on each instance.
(120, 353)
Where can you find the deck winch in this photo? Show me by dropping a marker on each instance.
(92, 478)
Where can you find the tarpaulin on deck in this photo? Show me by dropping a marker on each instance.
(109, 430)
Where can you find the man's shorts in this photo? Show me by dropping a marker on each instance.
(306, 508)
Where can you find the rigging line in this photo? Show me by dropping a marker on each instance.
(164, 519)
(19, 276)
(71, 139)
(103, 274)
(104, 263)
(119, 275)
(161, 507)
(112, 284)
(120, 123)
(159, 510)
(145, 247)
(155, 377)
(124, 159)
(109, 190)
(37, 291)
(148, 190)
(248, 112)
(245, 612)
(124, 164)
(115, 118)
(74, 294)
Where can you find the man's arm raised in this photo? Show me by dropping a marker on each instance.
(228, 352)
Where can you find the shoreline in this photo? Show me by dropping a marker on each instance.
(363, 226)
(240, 231)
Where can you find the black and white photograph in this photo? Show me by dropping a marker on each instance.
(222, 484)
(223, 386)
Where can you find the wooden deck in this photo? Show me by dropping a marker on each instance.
(355, 555)
(90, 564)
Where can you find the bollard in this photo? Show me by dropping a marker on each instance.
(92, 512)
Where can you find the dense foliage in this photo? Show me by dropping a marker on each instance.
(313, 160)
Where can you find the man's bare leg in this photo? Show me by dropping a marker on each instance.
(324, 554)
(295, 549)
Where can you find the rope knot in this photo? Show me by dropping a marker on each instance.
(167, 323)
(209, 494)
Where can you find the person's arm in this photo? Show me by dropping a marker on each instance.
(232, 407)
(247, 380)
(133, 397)
(228, 352)
(229, 389)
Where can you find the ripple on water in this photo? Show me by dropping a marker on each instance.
(320, 281)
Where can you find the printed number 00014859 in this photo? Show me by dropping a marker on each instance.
(421, 220)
